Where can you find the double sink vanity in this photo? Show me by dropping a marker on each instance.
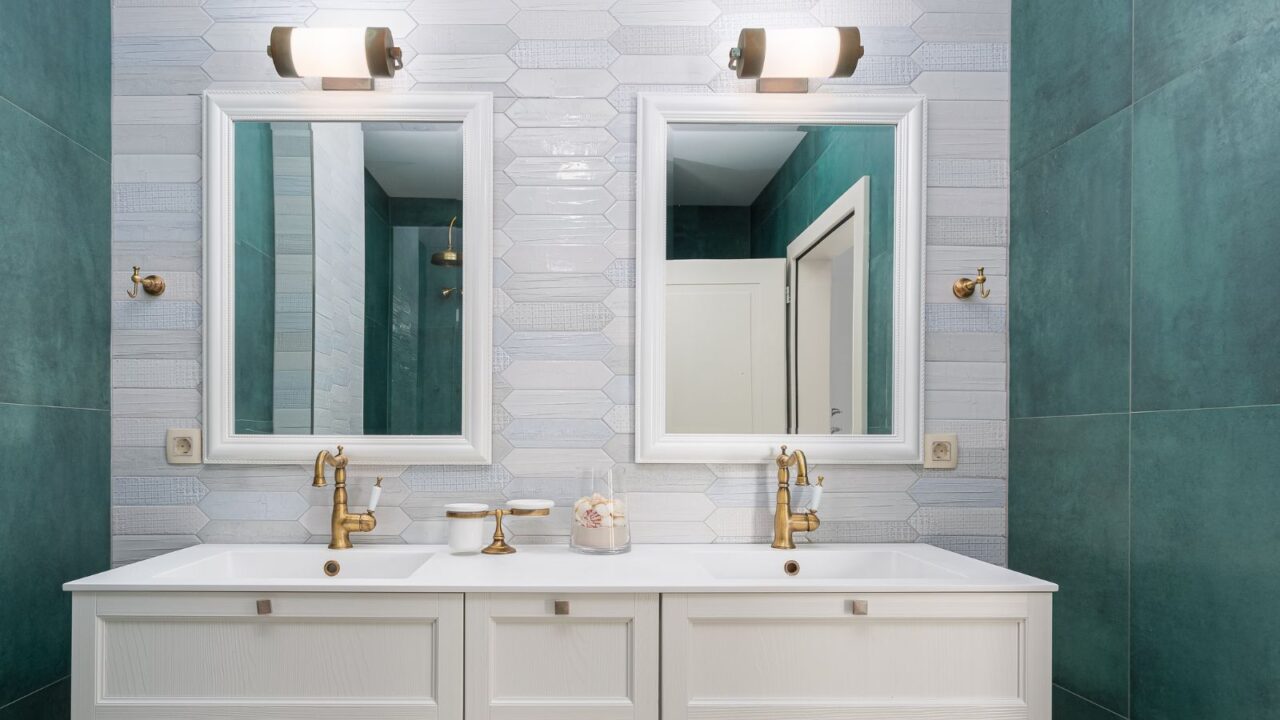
(715, 632)
(804, 326)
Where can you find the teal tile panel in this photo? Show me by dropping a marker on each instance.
(55, 202)
(1205, 183)
(1069, 524)
(1205, 574)
(1070, 70)
(1069, 277)
(57, 476)
(57, 66)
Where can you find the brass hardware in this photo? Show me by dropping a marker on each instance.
(152, 284)
(859, 607)
(448, 292)
(782, 85)
(332, 568)
(791, 567)
(264, 607)
(786, 522)
(346, 83)
(562, 607)
(448, 257)
(963, 288)
(343, 523)
(499, 545)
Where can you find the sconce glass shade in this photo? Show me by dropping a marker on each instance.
(334, 52)
(797, 52)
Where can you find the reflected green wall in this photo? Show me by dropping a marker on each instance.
(377, 307)
(823, 166)
(255, 259)
(413, 337)
(1144, 391)
(708, 232)
(55, 361)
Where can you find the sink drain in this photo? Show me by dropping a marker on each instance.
(332, 568)
(791, 567)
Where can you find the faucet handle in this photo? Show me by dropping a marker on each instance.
(815, 497)
(374, 495)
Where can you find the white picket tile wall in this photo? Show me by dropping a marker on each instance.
(565, 74)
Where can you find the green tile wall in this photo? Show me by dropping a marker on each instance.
(255, 258)
(1144, 392)
(377, 306)
(422, 387)
(55, 426)
(709, 232)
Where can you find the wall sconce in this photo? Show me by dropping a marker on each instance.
(345, 58)
(783, 60)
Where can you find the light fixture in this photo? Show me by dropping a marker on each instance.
(346, 58)
(784, 59)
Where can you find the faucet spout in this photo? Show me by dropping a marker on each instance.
(786, 522)
(343, 522)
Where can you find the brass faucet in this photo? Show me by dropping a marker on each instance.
(344, 523)
(786, 522)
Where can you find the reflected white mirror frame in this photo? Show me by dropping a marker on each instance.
(475, 112)
(655, 113)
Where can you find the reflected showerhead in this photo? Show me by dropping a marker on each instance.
(448, 257)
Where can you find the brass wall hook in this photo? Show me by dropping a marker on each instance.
(963, 288)
(152, 284)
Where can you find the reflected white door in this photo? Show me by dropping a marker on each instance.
(726, 346)
(829, 265)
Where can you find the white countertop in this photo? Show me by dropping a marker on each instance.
(555, 568)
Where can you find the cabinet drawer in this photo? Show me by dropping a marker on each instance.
(562, 657)
(820, 656)
(270, 655)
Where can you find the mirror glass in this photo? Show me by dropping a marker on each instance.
(348, 278)
(779, 272)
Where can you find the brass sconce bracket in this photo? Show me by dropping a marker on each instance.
(499, 545)
(964, 287)
(151, 284)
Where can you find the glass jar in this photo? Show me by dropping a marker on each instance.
(600, 525)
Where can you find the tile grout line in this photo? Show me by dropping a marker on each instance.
(72, 140)
(1087, 700)
(33, 693)
(1133, 63)
(5, 403)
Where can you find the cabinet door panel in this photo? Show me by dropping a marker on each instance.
(596, 660)
(812, 657)
(318, 655)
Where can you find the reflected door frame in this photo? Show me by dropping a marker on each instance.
(809, 372)
(474, 111)
(906, 114)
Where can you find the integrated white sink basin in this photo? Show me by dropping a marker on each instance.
(259, 563)
(556, 568)
(820, 563)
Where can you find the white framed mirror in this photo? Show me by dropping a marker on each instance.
(780, 265)
(348, 281)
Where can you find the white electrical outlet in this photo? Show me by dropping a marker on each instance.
(182, 446)
(941, 451)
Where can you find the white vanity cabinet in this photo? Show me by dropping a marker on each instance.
(194, 655)
(962, 656)
(562, 656)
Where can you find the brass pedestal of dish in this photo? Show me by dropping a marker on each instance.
(499, 545)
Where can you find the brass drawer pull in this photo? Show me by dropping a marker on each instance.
(859, 607)
(562, 607)
(264, 607)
